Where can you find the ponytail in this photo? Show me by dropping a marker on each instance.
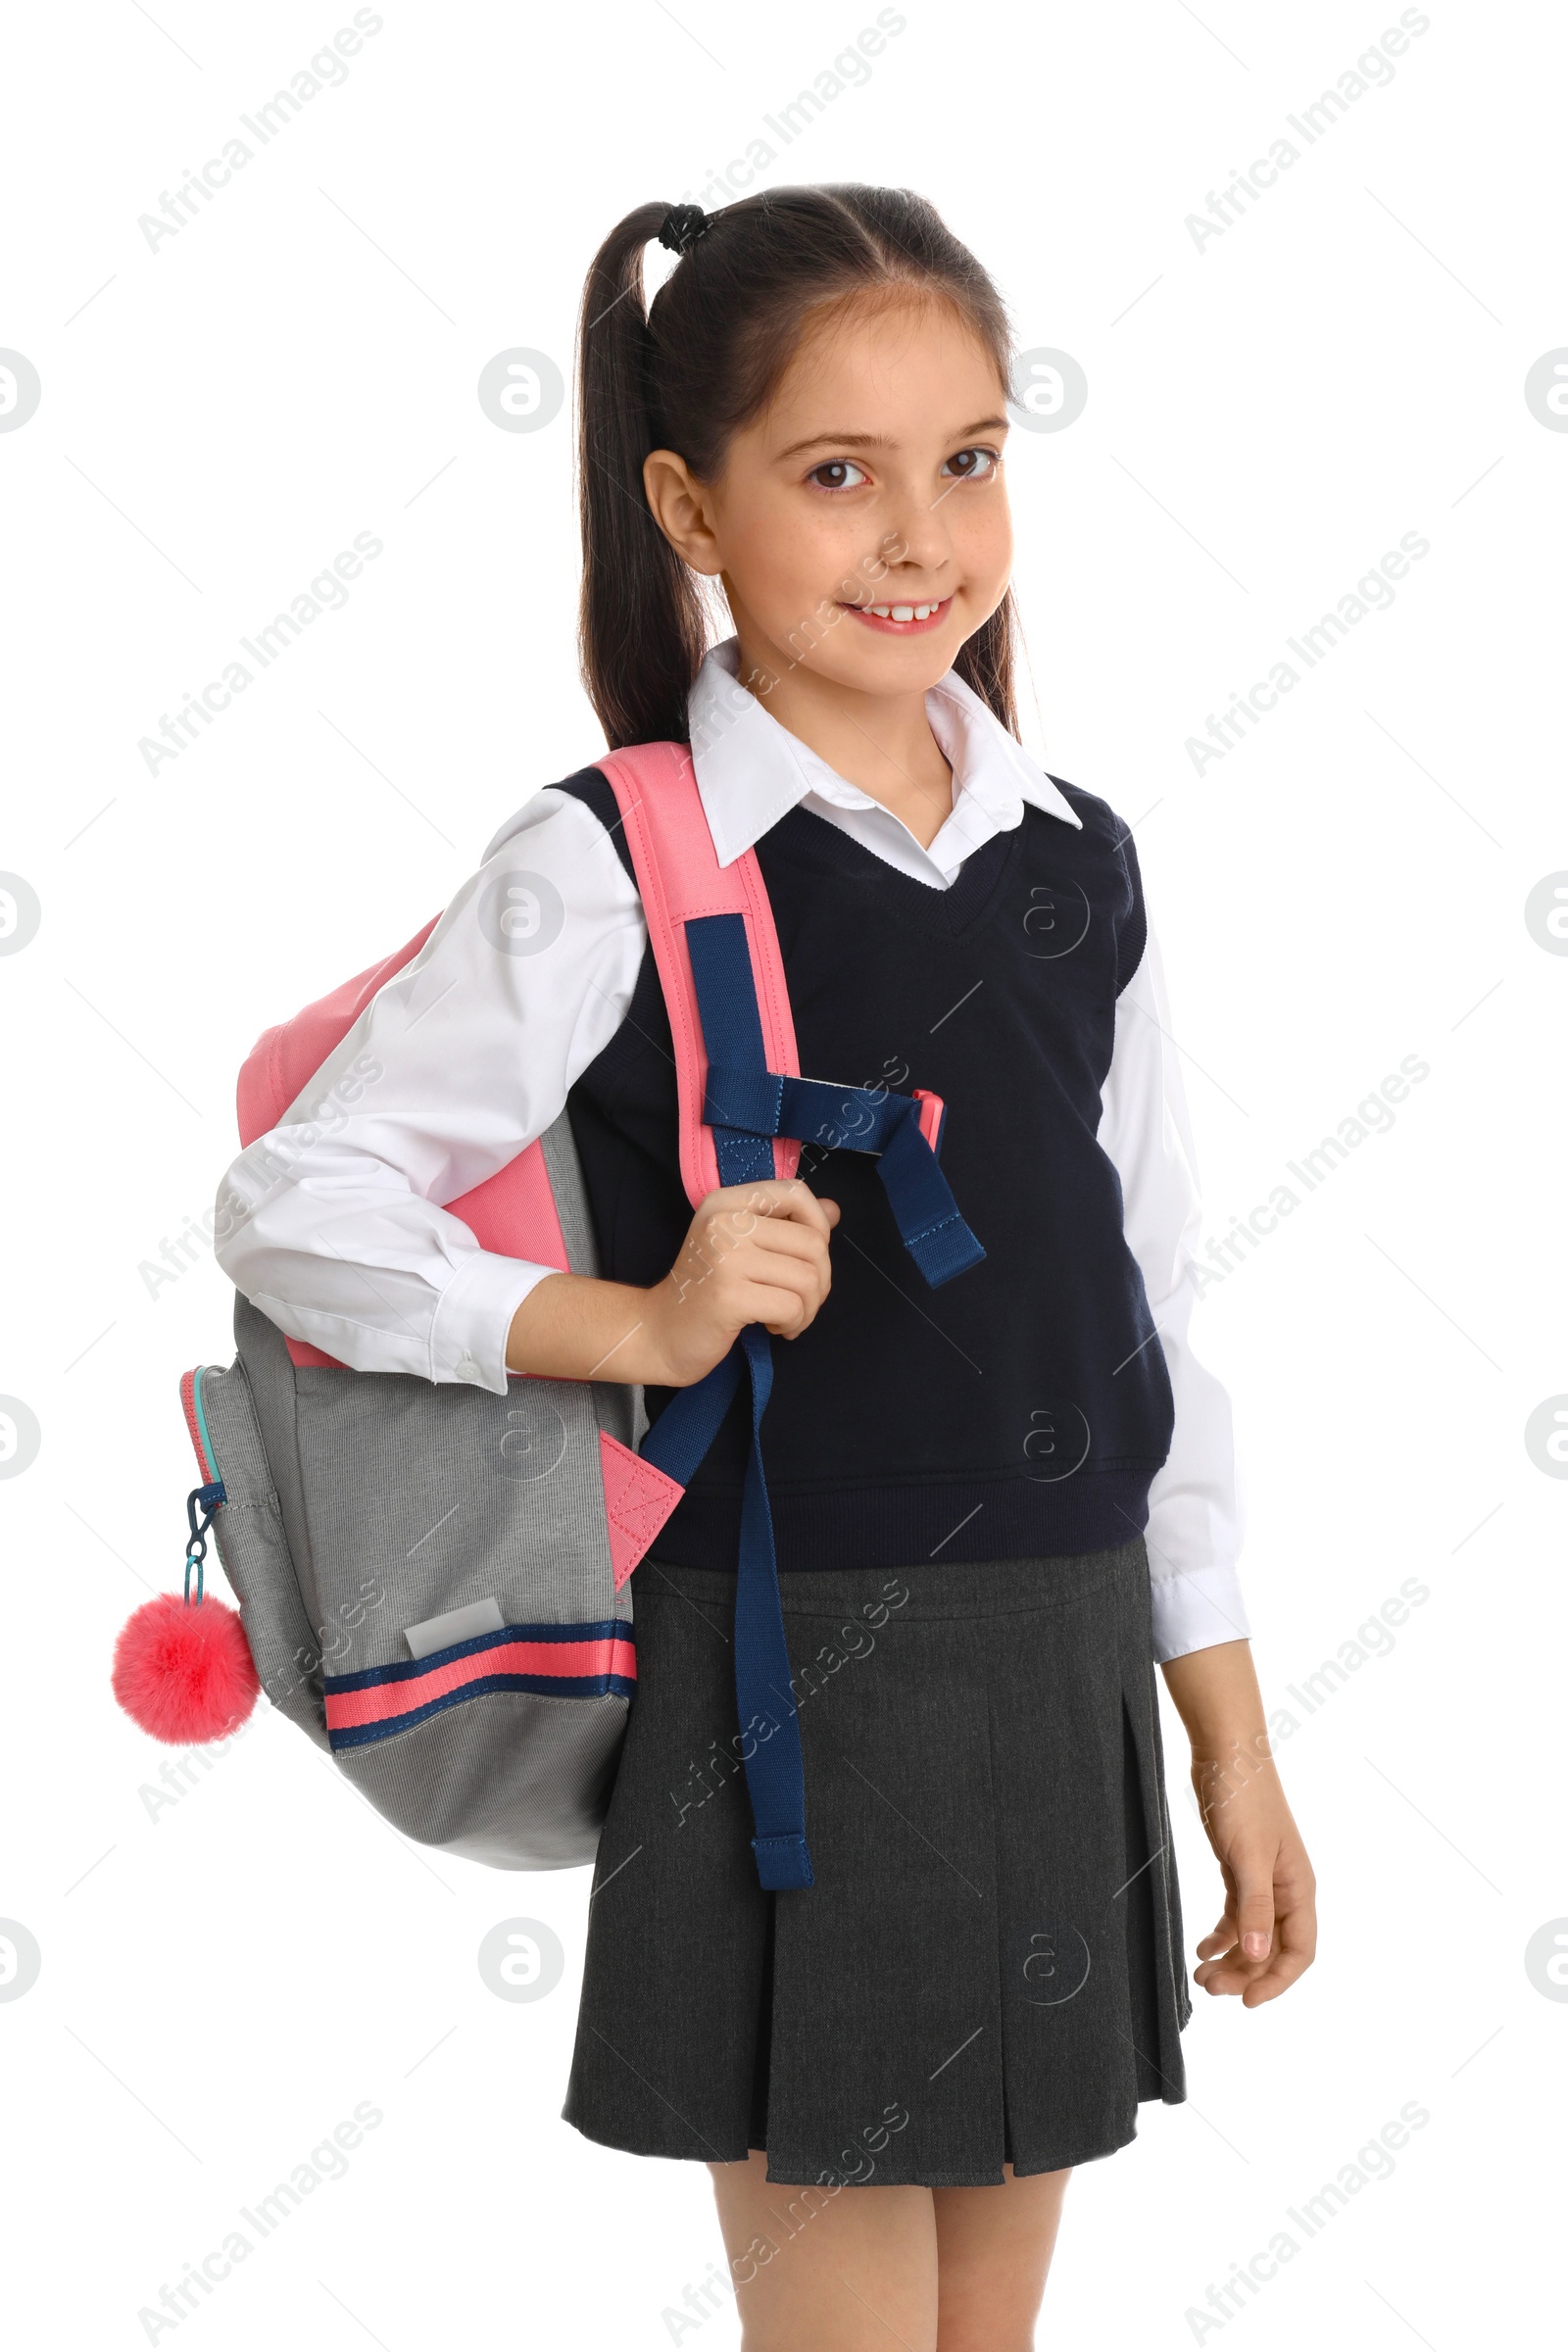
(641, 636)
(689, 371)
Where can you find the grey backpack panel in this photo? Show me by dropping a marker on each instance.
(421, 1498)
(513, 1779)
(362, 1504)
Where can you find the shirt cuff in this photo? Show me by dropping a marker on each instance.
(474, 1316)
(1197, 1610)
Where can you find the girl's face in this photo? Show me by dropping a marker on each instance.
(861, 525)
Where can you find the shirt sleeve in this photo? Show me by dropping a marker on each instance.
(1195, 1520)
(334, 1224)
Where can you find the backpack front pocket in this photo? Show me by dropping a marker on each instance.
(501, 1748)
(409, 1503)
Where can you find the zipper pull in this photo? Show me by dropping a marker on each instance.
(207, 1500)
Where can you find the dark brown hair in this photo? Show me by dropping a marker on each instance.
(702, 361)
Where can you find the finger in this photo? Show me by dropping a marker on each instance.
(1228, 1969)
(740, 1243)
(1295, 1950)
(782, 1312)
(773, 1270)
(785, 1198)
(1224, 1968)
(1231, 1974)
(1221, 1937)
(787, 1239)
(776, 1270)
(1254, 1903)
(803, 1207)
(806, 1277)
(1214, 1965)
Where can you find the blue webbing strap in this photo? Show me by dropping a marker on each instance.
(732, 1033)
(746, 1106)
(775, 1772)
(775, 1776)
(859, 1118)
(680, 1438)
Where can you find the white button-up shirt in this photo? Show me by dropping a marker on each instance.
(350, 1248)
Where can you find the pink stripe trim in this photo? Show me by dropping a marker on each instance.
(345, 1709)
(187, 1398)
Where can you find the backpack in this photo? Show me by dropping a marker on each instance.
(433, 1579)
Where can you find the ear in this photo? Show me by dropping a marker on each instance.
(681, 509)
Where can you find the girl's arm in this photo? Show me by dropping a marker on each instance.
(333, 1224)
(755, 1253)
(1266, 1932)
(1195, 1520)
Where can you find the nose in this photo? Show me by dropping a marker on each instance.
(917, 549)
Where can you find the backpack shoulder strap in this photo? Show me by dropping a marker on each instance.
(682, 883)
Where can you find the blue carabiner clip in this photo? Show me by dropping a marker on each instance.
(205, 1499)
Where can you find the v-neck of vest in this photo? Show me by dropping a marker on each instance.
(960, 908)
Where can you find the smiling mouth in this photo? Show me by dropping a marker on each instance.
(902, 620)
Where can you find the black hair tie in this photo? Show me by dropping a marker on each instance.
(683, 224)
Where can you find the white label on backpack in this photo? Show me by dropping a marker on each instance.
(458, 1625)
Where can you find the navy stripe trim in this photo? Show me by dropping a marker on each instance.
(543, 1685)
(367, 1678)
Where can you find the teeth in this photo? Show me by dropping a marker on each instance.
(902, 612)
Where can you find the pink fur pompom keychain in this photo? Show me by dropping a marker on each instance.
(183, 1668)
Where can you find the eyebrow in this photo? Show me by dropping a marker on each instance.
(853, 440)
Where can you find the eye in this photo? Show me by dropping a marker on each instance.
(838, 473)
(973, 465)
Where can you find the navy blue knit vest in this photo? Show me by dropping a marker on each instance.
(1025, 1406)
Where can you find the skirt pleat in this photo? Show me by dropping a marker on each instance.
(988, 1968)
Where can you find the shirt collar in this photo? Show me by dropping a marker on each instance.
(750, 770)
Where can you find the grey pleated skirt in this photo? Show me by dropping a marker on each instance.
(988, 1966)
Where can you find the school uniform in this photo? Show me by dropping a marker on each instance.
(995, 1507)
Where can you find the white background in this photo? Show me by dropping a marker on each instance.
(224, 1978)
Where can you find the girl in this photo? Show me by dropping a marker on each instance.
(995, 1505)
